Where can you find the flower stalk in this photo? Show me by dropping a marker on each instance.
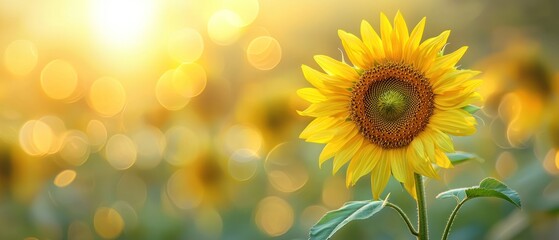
(451, 219)
(404, 217)
(421, 209)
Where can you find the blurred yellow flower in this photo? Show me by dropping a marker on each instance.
(518, 88)
(393, 111)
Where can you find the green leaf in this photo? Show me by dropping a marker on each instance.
(491, 187)
(471, 108)
(460, 157)
(488, 187)
(335, 220)
(458, 193)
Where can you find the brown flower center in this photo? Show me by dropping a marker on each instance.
(391, 104)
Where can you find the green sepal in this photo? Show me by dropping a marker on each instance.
(471, 108)
(489, 187)
(461, 157)
(334, 220)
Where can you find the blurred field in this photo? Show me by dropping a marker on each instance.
(176, 119)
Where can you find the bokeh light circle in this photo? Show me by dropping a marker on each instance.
(36, 137)
(506, 164)
(284, 169)
(59, 79)
(189, 80)
(335, 193)
(264, 53)
(311, 215)
(75, 148)
(274, 216)
(58, 128)
(224, 27)
(20, 57)
(65, 178)
(120, 152)
(185, 45)
(247, 10)
(107, 96)
(242, 137)
(242, 164)
(184, 190)
(151, 144)
(166, 93)
(97, 134)
(128, 214)
(108, 222)
(183, 146)
(551, 162)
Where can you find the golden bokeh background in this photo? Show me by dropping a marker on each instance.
(176, 119)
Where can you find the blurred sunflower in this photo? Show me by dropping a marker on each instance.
(393, 111)
(269, 111)
(519, 89)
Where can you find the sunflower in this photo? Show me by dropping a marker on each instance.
(391, 112)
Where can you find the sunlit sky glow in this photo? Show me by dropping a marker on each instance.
(122, 23)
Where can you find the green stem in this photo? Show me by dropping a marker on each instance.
(404, 216)
(421, 210)
(451, 219)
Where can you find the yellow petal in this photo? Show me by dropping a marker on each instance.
(399, 165)
(428, 146)
(396, 46)
(319, 125)
(425, 169)
(357, 52)
(311, 95)
(321, 80)
(372, 40)
(456, 122)
(401, 27)
(413, 42)
(448, 102)
(429, 49)
(327, 108)
(380, 176)
(409, 173)
(410, 187)
(442, 160)
(449, 99)
(451, 80)
(358, 160)
(416, 157)
(409, 184)
(347, 152)
(337, 68)
(346, 132)
(463, 88)
(386, 35)
(364, 163)
(442, 140)
(312, 77)
(418, 149)
(399, 36)
(448, 61)
(321, 137)
(470, 86)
